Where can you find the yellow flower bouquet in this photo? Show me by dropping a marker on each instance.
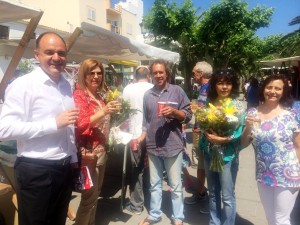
(119, 121)
(222, 120)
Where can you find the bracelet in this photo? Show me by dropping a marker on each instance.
(230, 138)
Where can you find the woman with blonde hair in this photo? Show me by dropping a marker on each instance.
(92, 130)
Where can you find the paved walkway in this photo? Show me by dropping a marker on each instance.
(249, 207)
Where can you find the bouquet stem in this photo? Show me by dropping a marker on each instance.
(216, 162)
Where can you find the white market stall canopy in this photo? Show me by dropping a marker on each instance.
(290, 61)
(100, 43)
(14, 10)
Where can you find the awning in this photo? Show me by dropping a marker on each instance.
(14, 10)
(125, 62)
(102, 44)
(290, 61)
(97, 42)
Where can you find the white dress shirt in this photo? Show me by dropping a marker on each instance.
(28, 115)
(135, 94)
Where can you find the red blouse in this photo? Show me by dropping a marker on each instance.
(86, 136)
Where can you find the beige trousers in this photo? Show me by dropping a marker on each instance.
(86, 213)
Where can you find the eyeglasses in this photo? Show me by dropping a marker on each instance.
(94, 74)
(193, 73)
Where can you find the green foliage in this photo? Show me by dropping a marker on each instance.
(168, 22)
(24, 67)
(226, 35)
(291, 41)
(174, 28)
(291, 44)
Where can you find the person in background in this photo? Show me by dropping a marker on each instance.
(252, 93)
(221, 184)
(162, 130)
(92, 132)
(39, 113)
(202, 72)
(274, 131)
(134, 93)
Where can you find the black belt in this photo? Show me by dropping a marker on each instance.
(59, 162)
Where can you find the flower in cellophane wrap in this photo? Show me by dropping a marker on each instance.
(119, 121)
(222, 120)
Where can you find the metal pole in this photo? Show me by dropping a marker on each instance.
(123, 191)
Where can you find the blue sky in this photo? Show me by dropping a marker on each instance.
(285, 11)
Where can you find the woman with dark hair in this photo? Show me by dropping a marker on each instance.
(274, 130)
(221, 185)
(91, 132)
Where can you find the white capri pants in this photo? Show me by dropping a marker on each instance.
(278, 203)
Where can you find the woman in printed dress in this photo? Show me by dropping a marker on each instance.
(273, 130)
(92, 132)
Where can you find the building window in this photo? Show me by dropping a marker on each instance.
(91, 13)
(129, 28)
(4, 32)
(114, 26)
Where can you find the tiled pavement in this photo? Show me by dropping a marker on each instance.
(249, 207)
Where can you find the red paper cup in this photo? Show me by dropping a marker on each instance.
(134, 145)
(160, 106)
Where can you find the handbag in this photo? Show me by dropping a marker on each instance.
(81, 179)
(89, 160)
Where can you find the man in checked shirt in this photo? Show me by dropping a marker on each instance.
(164, 141)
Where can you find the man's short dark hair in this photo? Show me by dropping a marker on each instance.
(38, 40)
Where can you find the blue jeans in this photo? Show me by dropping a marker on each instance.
(173, 167)
(222, 183)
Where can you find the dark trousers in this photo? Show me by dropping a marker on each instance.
(136, 184)
(43, 192)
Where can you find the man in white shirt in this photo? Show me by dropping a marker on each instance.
(135, 94)
(39, 113)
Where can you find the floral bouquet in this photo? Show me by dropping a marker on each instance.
(222, 120)
(119, 121)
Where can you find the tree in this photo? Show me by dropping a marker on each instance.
(291, 42)
(226, 35)
(174, 28)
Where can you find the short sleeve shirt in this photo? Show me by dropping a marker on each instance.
(202, 97)
(276, 159)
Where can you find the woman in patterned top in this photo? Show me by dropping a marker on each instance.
(274, 132)
(221, 185)
(91, 132)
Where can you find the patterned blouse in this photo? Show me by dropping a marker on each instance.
(277, 164)
(87, 137)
